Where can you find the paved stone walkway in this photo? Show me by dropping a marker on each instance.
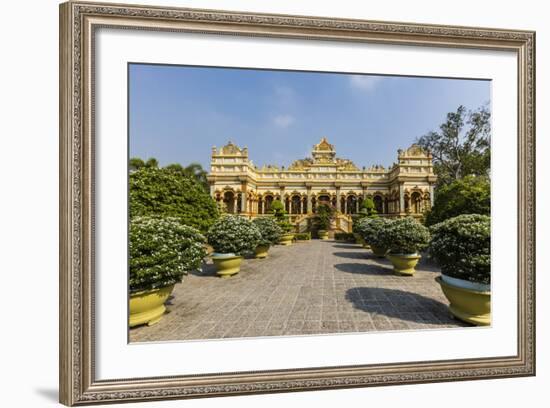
(306, 288)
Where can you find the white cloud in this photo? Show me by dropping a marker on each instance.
(364, 82)
(283, 121)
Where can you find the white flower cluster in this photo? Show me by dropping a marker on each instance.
(234, 234)
(462, 247)
(162, 250)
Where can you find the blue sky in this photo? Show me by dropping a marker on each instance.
(178, 113)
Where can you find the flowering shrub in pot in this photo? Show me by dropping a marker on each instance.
(231, 236)
(372, 230)
(404, 238)
(162, 251)
(462, 248)
(271, 233)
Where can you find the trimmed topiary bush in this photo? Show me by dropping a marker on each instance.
(233, 234)
(344, 236)
(406, 236)
(373, 230)
(269, 229)
(164, 192)
(302, 236)
(162, 250)
(462, 247)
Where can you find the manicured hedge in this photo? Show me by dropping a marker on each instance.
(302, 236)
(344, 236)
(163, 192)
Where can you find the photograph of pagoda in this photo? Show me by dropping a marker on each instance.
(287, 203)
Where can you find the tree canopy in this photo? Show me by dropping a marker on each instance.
(469, 195)
(164, 192)
(462, 146)
(192, 170)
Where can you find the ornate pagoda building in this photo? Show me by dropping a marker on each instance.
(405, 188)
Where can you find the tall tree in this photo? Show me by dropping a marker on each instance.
(462, 146)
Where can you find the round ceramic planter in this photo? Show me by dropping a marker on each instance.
(323, 234)
(227, 266)
(261, 251)
(403, 264)
(378, 251)
(471, 306)
(286, 239)
(147, 307)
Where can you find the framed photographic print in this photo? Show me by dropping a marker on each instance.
(256, 203)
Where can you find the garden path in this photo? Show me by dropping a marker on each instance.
(306, 288)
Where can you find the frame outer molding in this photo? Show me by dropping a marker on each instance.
(76, 254)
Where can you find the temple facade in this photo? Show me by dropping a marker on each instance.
(405, 188)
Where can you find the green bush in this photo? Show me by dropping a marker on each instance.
(469, 195)
(302, 236)
(372, 230)
(278, 209)
(162, 250)
(270, 230)
(462, 247)
(344, 236)
(406, 236)
(233, 234)
(162, 192)
(368, 209)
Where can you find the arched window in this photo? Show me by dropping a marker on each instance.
(295, 204)
(267, 204)
(351, 204)
(378, 204)
(416, 201)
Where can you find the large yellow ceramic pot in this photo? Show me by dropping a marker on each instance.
(286, 239)
(471, 306)
(323, 234)
(261, 251)
(147, 307)
(227, 266)
(403, 264)
(378, 251)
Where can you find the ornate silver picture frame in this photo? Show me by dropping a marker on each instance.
(79, 22)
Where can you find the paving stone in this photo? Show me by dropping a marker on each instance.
(311, 288)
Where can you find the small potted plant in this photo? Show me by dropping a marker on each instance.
(462, 248)
(324, 214)
(271, 233)
(278, 211)
(162, 251)
(231, 236)
(405, 238)
(372, 231)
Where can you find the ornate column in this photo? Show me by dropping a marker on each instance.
(338, 200)
(432, 195)
(309, 209)
(401, 198)
(243, 198)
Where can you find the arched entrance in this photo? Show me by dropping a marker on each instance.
(416, 200)
(351, 204)
(378, 204)
(295, 207)
(229, 201)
